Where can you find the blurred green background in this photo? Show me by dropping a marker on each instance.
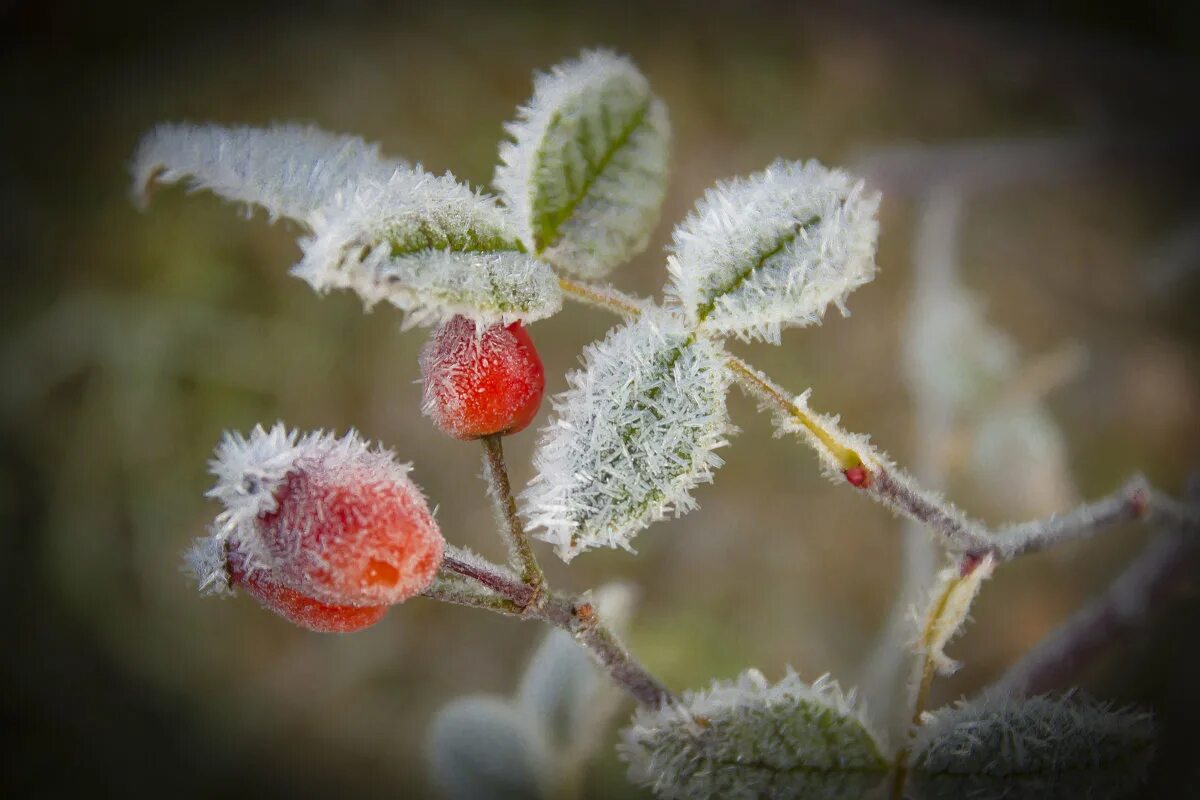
(130, 341)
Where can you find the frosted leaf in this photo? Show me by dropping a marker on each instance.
(633, 434)
(774, 250)
(430, 246)
(585, 172)
(484, 747)
(747, 739)
(250, 472)
(290, 170)
(1037, 747)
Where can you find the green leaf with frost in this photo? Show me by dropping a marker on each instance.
(633, 434)
(747, 739)
(1037, 747)
(773, 250)
(427, 244)
(430, 246)
(290, 170)
(585, 172)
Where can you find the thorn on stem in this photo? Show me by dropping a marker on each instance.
(857, 476)
(1138, 503)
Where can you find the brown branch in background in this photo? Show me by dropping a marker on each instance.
(1165, 568)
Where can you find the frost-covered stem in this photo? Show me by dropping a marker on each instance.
(1146, 585)
(493, 578)
(578, 617)
(759, 386)
(520, 551)
(1136, 500)
(575, 615)
(604, 297)
(450, 589)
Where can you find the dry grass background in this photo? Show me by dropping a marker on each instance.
(131, 341)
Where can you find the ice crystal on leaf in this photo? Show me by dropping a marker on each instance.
(585, 172)
(631, 437)
(427, 244)
(747, 739)
(774, 250)
(1044, 746)
(430, 246)
(290, 170)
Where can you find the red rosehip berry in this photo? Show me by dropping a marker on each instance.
(325, 532)
(481, 382)
(299, 609)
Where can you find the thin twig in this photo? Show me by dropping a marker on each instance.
(520, 551)
(576, 616)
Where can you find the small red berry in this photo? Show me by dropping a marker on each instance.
(478, 383)
(325, 532)
(857, 476)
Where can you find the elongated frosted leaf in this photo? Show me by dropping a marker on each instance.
(290, 170)
(483, 746)
(429, 246)
(774, 250)
(630, 438)
(585, 172)
(747, 739)
(1038, 747)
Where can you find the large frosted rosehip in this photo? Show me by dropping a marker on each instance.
(324, 531)
(481, 382)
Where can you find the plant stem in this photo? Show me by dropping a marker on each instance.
(520, 551)
(574, 615)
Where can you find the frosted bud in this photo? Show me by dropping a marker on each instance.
(633, 434)
(773, 250)
(749, 739)
(585, 172)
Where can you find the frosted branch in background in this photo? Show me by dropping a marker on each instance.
(290, 170)
(773, 250)
(585, 173)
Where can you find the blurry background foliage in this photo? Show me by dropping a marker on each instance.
(129, 342)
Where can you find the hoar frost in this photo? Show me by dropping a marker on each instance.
(585, 172)
(773, 250)
(749, 739)
(631, 437)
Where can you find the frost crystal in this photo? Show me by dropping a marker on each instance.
(585, 174)
(774, 249)
(631, 437)
(1042, 746)
(290, 170)
(430, 246)
(747, 739)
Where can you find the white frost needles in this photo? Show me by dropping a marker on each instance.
(631, 437)
(585, 172)
(773, 250)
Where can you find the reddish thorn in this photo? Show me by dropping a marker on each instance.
(1138, 503)
(858, 476)
(969, 563)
